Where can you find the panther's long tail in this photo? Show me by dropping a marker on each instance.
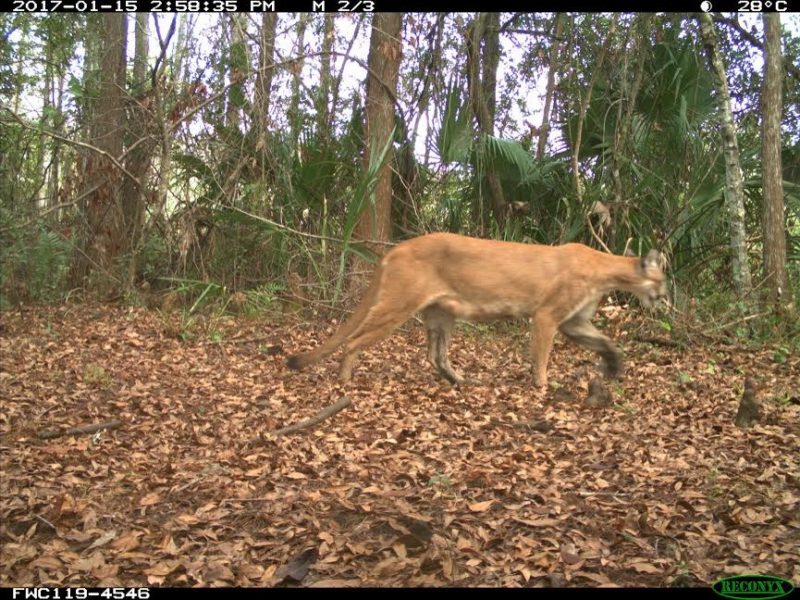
(304, 359)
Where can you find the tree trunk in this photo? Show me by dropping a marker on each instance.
(325, 81)
(266, 69)
(733, 23)
(141, 56)
(616, 147)
(238, 67)
(585, 101)
(641, 50)
(179, 67)
(734, 183)
(101, 179)
(19, 72)
(385, 52)
(263, 90)
(142, 128)
(297, 77)
(775, 275)
(360, 20)
(483, 57)
(553, 67)
(432, 67)
(48, 94)
(54, 180)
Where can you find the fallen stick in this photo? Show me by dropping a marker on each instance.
(83, 429)
(326, 412)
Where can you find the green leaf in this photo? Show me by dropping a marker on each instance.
(454, 141)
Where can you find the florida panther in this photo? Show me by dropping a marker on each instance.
(447, 277)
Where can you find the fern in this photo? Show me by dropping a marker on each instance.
(34, 266)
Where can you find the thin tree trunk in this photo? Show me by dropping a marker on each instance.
(734, 182)
(385, 53)
(435, 91)
(238, 67)
(266, 69)
(263, 91)
(483, 57)
(325, 81)
(616, 147)
(641, 50)
(19, 73)
(297, 76)
(431, 66)
(54, 181)
(553, 67)
(142, 135)
(585, 100)
(777, 280)
(491, 60)
(47, 109)
(181, 69)
(141, 53)
(791, 68)
(407, 185)
(337, 84)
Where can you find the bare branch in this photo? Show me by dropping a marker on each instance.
(77, 143)
(277, 225)
(791, 68)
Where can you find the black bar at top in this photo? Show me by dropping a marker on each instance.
(333, 6)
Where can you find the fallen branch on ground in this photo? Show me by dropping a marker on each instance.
(83, 429)
(326, 412)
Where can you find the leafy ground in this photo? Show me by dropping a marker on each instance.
(416, 483)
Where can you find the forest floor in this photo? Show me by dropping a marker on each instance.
(416, 483)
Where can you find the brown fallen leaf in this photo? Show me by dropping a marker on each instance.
(150, 499)
(481, 506)
(127, 541)
(400, 549)
(188, 519)
(168, 546)
(105, 572)
(163, 568)
(103, 539)
(644, 567)
(252, 572)
(47, 562)
(90, 563)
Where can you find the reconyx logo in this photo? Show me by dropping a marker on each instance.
(752, 587)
